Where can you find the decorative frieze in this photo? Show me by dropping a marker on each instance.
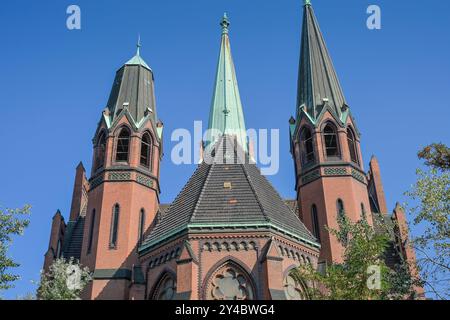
(145, 181)
(229, 246)
(293, 254)
(96, 181)
(335, 171)
(311, 176)
(358, 176)
(164, 257)
(119, 176)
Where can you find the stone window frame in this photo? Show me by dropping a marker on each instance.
(221, 264)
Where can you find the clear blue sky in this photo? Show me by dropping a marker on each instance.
(55, 82)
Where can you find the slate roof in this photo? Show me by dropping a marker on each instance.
(383, 223)
(133, 87)
(223, 194)
(73, 239)
(293, 205)
(317, 77)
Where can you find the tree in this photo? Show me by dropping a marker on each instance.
(436, 155)
(65, 280)
(363, 274)
(12, 222)
(430, 209)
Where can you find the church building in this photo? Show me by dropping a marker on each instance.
(228, 235)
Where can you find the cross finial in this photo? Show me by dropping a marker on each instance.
(138, 45)
(225, 23)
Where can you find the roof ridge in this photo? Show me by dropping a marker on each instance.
(282, 200)
(175, 199)
(210, 167)
(250, 182)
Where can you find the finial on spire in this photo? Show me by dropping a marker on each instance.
(307, 2)
(138, 45)
(225, 23)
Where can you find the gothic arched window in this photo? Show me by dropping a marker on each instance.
(306, 138)
(141, 225)
(352, 146)
(146, 150)
(114, 226)
(331, 141)
(100, 151)
(315, 222)
(123, 145)
(229, 282)
(91, 231)
(165, 289)
(293, 289)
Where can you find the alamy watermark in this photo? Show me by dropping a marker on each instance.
(374, 19)
(73, 21)
(73, 280)
(257, 146)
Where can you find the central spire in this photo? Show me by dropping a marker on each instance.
(226, 116)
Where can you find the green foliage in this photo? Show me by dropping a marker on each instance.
(12, 222)
(64, 281)
(431, 198)
(436, 156)
(363, 263)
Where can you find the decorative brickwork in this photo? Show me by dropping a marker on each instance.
(358, 176)
(145, 181)
(335, 171)
(119, 176)
(314, 175)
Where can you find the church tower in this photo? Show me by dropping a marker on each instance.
(325, 144)
(124, 184)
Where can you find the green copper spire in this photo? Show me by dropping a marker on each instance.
(225, 23)
(137, 60)
(226, 116)
(307, 2)
(138, 45)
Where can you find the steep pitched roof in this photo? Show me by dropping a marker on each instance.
(318, 82)
(226, 115)
(133, 89)
(224, 193)
(73, 239)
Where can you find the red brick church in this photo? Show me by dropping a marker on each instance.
(228, 234)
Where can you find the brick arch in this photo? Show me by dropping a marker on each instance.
(301, 284)
(121, 126)
(98, 134)
(166, 273)
(335, 128)
(233, 263)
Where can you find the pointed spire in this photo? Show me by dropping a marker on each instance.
(137, 60)
(138, 45)
(225, 23)
(226, 116)
(318, 83)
